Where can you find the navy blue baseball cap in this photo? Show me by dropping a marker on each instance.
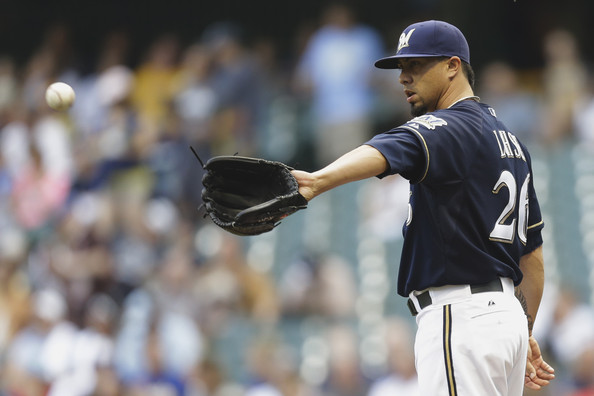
(428, 39)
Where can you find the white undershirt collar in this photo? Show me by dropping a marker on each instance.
(474, 97)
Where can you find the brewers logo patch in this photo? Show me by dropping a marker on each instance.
(428, 121)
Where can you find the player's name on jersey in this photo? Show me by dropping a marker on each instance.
(506, 140)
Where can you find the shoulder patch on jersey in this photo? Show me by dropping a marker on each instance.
(428, 121)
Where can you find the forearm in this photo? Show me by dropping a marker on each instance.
(361, 163)
(529, 292)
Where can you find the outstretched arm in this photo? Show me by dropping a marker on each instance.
(361, 163)
(529, 292)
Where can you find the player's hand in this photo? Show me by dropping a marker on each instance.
(306, 183)
(538, 372)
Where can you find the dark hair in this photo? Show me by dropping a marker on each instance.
(466, 69)
(469, 73)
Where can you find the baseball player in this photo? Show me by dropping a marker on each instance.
(471, 265)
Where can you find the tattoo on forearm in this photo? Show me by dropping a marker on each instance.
(520, 296)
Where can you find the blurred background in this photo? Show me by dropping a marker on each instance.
(112, 282)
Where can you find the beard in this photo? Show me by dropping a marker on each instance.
(419, 110)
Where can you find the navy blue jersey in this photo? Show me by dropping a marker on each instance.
(473, 211)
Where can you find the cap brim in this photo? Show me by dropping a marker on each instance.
(391, 62)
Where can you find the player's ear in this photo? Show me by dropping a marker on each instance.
(454, 66)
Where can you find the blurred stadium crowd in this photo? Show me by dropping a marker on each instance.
(113, 283)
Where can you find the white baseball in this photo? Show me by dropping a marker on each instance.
(59, 96)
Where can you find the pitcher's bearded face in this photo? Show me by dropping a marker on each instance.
(423, 81)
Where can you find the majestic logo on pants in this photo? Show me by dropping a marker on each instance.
(404, 37)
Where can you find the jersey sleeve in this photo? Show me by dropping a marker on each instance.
(436, 146)
(535, 220)
(403, 152)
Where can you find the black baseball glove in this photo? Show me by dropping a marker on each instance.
(249, 196)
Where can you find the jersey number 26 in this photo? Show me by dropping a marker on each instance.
(507, 224)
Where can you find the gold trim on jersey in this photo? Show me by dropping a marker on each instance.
(426, 151)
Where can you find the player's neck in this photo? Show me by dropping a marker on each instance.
(456, 93)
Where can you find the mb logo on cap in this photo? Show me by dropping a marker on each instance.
(404, 37)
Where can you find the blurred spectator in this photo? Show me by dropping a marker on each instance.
(501, 87)
(9, 87)
(92, 349)
(564, 81)
(195, 107)
(583, 372)
(38, 161)
(174, 169)
(135, 241)
(572, 328)
(80, 258)
(583, 116)
(107, 86)
(154, 346)
(45, 132)
(157, 380)
(279, 132)
(172, 287)
(385, 205)
(15, 140)
(228, 286)
(39, 73)
(238, 82)
(58, 41)
(208, 379)
(39, 353)
(265, 364)
(156, 79)
(344, 374)
(156, 82)
(197, 100)
(108, 155)
(14, 286)
(105, 120)
(53, 60)
(401, 378)
(336, 69)
(160, 326)
(107, 382)
(319, 285)
(274, 370)
(37, 194)
(53, 137)
(568, 328)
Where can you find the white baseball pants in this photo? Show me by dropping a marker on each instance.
(471, 344)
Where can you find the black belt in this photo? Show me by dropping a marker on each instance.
(424, 298)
